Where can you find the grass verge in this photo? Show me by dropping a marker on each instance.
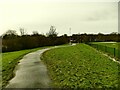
(80, 66)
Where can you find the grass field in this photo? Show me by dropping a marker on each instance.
(80, 66)
(112, 44)
(111, 48)
(9, 61)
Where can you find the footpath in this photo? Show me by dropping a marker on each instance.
(30, 72)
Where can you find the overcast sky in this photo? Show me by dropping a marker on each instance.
(38, 15)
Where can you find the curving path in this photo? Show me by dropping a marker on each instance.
(30, 72)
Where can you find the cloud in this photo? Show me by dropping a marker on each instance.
(86, 16)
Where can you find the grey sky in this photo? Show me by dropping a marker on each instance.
(38, 15)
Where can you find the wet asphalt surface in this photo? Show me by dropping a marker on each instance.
(30, 72)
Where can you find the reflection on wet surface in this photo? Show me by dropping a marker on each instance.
(30, 72)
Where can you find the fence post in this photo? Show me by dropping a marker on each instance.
(105, 48)
(118, 54)
(97, 46)
(114, 52)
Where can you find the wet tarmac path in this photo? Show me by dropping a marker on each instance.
(30, 72)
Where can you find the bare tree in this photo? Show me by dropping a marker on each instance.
(35, 33)
(11, 32)
(22, 31)
(52, 32)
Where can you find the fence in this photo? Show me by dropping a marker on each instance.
(111, 51)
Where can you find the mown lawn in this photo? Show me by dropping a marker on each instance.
(80, 66)
(9, 61)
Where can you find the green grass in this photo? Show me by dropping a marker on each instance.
(112, 49)
(9, 61)
(80, 66)
(113, 45)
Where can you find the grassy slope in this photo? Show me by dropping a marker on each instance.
(9, 61)
(80, 66)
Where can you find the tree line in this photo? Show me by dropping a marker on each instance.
(11, 41)
(84, 38)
